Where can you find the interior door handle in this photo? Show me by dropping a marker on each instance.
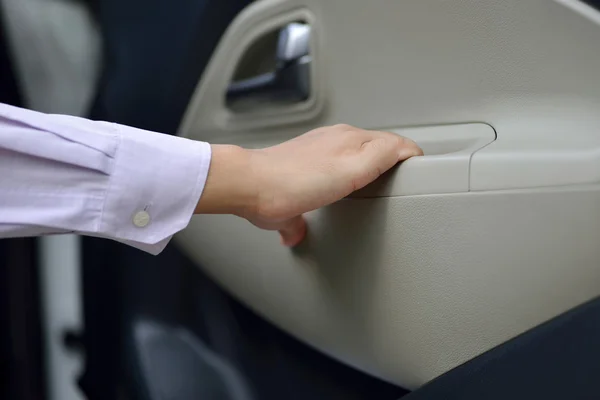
(290, 81)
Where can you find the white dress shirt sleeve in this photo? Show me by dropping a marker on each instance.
(62, 174)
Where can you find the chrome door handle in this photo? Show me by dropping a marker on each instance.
(290, 81)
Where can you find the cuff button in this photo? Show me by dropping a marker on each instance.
(141, 219)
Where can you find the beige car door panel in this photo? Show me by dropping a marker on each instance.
(494, 231)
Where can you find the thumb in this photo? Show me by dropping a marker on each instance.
(292, 231)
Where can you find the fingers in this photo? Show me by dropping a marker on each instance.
(293, 231)
(408, 149)
(404, 147)
(387, 149)
(378, 155)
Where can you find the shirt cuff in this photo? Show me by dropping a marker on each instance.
(154, 187)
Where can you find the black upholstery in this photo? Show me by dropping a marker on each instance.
(557, 360)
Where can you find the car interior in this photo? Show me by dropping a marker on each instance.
(472, 272)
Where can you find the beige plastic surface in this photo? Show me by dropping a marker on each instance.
(408, 287)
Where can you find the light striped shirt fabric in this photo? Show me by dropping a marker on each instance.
(63, 174)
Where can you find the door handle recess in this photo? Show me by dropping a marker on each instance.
(444, 168)
(290, 81)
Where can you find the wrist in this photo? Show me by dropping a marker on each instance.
(230, 186)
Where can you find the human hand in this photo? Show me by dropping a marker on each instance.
(273, 187)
